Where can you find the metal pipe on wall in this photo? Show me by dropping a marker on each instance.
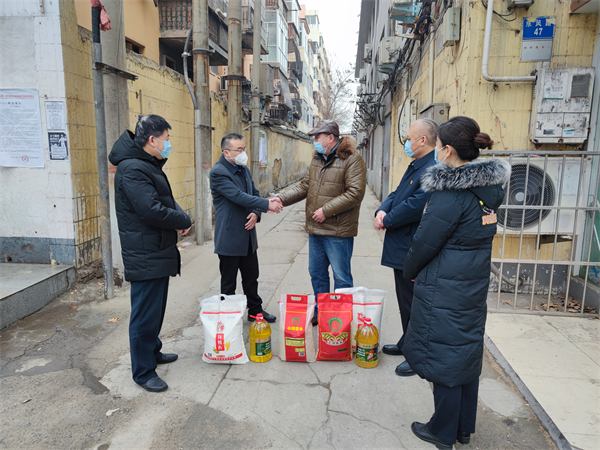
(202, 120)
(257, 25)
(486, 53)
(431, 58)
(102, 158)
(234, 72)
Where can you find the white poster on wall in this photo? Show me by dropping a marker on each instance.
(262, 152)
(56, 117)
(21, 139)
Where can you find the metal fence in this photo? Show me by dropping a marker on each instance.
(546, 254)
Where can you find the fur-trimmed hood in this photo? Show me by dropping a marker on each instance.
(346, 148)
(483, 172)
(486, 178)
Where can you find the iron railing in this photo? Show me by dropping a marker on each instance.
(546, 256)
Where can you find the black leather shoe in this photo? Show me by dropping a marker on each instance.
(314, 321)
(165, 358)
(391, 349)
(155, 385)
(404, 370)
(268, 317)
(463, 437)
(421, 430)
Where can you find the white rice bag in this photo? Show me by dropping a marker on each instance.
(295, 329)
(366, 303)
(221, 316)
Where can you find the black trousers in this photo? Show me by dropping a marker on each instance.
(455, 410)
(404, 294)
(148, 305)
(248, 267)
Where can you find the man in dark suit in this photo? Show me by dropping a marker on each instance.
(238, 207)
(149, 221)
(400, 215)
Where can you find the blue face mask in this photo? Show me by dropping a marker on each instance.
(408, 149)
(435, 155)
(166, 151)
(319, 148)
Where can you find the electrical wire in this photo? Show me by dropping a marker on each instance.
(402, 63)
(502, 16)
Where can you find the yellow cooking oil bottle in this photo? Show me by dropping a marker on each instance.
(367, 343)
(260, 340)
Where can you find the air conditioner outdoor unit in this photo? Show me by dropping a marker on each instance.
(406, 118)
(361, 138)
(539, 187)
(388, 54)
(362, 76)
(367, 53)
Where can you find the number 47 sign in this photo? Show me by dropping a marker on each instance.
(538, 37)
(538, 28)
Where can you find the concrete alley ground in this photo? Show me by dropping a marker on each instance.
(65, 373)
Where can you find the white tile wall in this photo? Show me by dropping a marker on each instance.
(31, 57)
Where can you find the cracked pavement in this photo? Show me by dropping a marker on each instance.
(64, 368)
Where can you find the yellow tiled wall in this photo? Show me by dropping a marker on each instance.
(160, 90)
(502, 110)
(76, 45)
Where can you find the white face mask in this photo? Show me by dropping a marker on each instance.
(241, 159)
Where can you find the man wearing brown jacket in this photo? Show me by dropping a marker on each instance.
(333, 188)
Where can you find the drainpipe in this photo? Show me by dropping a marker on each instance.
(486, 53)
(431, 65)
(101, 155)
(256, 90)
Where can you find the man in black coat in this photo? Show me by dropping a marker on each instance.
(400, 215)
(149, 220)
(238, 207)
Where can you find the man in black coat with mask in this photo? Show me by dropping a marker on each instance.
(400, 215)
(149, 220)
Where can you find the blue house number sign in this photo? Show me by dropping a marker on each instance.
(538, 37)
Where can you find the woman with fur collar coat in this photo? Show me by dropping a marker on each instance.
(450, 259)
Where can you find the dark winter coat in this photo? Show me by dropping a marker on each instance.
(404, 208)
(338, 186)
(234, 198)
(450, 258)
(147, 213)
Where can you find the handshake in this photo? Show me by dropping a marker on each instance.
(275, 205)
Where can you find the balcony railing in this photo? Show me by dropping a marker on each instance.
(175, 14)
(248, 27)
(279, 112)
(295, 69)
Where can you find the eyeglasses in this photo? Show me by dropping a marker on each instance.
(239, 149)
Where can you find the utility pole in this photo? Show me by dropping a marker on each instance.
(103, 193)
(202, 121)
(234, 72)
(256, 90)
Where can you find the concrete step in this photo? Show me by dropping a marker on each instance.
(26, 288)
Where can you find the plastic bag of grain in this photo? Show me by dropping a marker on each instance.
(221, 316)
(295, 331)
(335, 319)
(366, 303)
